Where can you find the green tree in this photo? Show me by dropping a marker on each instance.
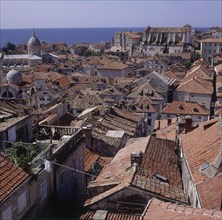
(21, 154)
(9, 48)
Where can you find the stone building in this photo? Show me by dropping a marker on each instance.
(16, 87)
(127, 41)
(210, 47)
(21, 61)
(159, 40)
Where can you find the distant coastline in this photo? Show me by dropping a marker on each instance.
(67, 35)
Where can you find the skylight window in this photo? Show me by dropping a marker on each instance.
(180, 107)
(195, 110)
(204, 166)
(160, 177)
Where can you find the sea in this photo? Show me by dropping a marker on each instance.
(69, 36)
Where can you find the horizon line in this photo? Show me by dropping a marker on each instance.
(103, 27)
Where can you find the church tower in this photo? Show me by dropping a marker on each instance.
(34, 45)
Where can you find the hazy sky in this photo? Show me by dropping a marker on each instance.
(112, 13)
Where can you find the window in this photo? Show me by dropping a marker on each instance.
(209, 51)
(7, 214)
(43, 189)
(149, 122)
(209, 44)
(22, 202)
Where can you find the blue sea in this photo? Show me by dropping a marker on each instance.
(67, 35)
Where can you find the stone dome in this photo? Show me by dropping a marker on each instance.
(34, 41)
(14, 76)
(187, 25)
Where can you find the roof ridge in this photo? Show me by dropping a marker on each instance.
(194, 211)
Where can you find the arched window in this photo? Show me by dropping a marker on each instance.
(7, 94)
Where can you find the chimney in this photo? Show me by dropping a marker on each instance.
(188, 124)
(87, 131)
(136, 158)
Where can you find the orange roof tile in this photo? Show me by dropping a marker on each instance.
(185, 108)
(165, 210)
(47, 76)
(132, 35)
(111, 216)
(113, 66)
(64, 81)
(89, 159)
(11, 177)
(202, 150)
(212, 40)
(211, 193)
(196, 85)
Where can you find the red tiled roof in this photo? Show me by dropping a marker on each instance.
(212, 40)
(165, 131)
(120, 163)
(165, 210)
(64, 81)
(202, 145)
(184, 108)
(196, 85)
(211, 193)
(89, 159)
(132, 35)
(160, 158)
(202, 71)
(127, 114)
(47, 76)
(11, 177)
(113, 66)
(111, 216)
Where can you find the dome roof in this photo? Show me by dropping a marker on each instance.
(14, 76)
(187, 25)
(34, 41)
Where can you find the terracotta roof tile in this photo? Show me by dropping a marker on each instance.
(211, 192)
(111, 216)
(113, 66)
(64, 81)
(212, 40)
(158, 157)
(202, 150)
(184, 108)
(164, 210)
(89, 159)
(132, 35)
(10, 177)
(196, 85)
(127, 114)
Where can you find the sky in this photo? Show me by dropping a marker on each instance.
(109, 13)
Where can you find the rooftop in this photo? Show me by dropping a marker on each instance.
(11, 177)
(196, 85)
(160, 210)
(185, 108)
(212, 40)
